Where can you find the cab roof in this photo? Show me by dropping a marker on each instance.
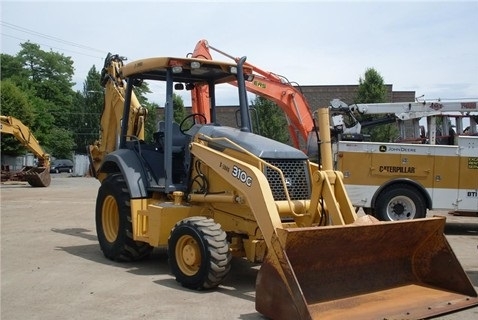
(156, 69)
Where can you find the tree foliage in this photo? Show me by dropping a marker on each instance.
(45, 82)
(178, 107)
(90, 103)
(14, 103)
(271, 122)
(373, 90)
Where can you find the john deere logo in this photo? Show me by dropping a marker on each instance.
(382, 148)
(288, 183)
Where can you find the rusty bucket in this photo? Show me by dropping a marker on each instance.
(387, 270)
(37, 176)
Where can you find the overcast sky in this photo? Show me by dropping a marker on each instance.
(430, 47)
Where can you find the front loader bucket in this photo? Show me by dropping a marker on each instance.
(37, 176)
(387, 270)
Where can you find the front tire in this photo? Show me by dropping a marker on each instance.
(199, 254)
(113, 222)
(400, 202)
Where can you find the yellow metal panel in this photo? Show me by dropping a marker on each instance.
(468, 172)
(153, 220)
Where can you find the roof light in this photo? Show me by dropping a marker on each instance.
(195, 65)
(177, 69)
(233, 69)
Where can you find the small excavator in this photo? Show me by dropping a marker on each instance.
(36, 176)
(208, 192)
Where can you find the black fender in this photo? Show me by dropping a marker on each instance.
(130, 165)
(408, 181)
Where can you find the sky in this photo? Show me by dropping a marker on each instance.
(430, 47)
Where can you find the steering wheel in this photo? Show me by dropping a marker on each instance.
(183, 125)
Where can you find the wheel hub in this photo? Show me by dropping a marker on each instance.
(398, 209)
(110, 219)
(401, 208)
(188, 255)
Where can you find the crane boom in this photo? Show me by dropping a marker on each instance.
(265, 84)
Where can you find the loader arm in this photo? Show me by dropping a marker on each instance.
(261, 202)
(251, 182)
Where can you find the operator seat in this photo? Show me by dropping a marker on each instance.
(180, 151)
(180, 140)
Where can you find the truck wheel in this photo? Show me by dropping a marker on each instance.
(113, 222)
(199, 254)
(400, 202)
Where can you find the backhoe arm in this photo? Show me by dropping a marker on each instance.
(36, 176)
(22, 133)
(113, 112)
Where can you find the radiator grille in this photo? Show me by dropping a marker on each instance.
(296, 177)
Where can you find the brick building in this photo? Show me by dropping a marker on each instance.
(320, 96)
(317, 96)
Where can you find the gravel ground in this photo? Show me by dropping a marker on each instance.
(52, 267)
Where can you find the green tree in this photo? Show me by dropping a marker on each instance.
(178, 107)
(152, 120)
(64, 143)
(373, 90)
(89, 105)
(49, 76)
(44, 123)
(50, 73)
(45, 80)
(15, 103)
(11, 68)
(271, 120)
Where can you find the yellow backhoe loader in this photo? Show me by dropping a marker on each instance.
(207, 192)
(38, 176)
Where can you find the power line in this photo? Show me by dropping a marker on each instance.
(52, 47)
(39, 34)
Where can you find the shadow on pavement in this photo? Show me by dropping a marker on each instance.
(77, 232)
(240, 283)
(460, 228)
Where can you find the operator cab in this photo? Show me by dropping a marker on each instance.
(166, 156)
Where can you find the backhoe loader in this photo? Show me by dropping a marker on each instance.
(207, 192)
(38, 176)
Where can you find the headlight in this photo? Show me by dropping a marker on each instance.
(177, 69)
(195, 65)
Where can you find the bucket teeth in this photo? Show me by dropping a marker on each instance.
(38, 177)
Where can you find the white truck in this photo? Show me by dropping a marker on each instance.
(401, 180)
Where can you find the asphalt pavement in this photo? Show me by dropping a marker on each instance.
(52, 266)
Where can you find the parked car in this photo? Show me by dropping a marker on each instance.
(61, 165)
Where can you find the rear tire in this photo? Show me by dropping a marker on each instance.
(199, 254)
(400, 202)
(113, 222)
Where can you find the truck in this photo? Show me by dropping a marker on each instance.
(435, 170)
(208, 193)
(36, 176)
